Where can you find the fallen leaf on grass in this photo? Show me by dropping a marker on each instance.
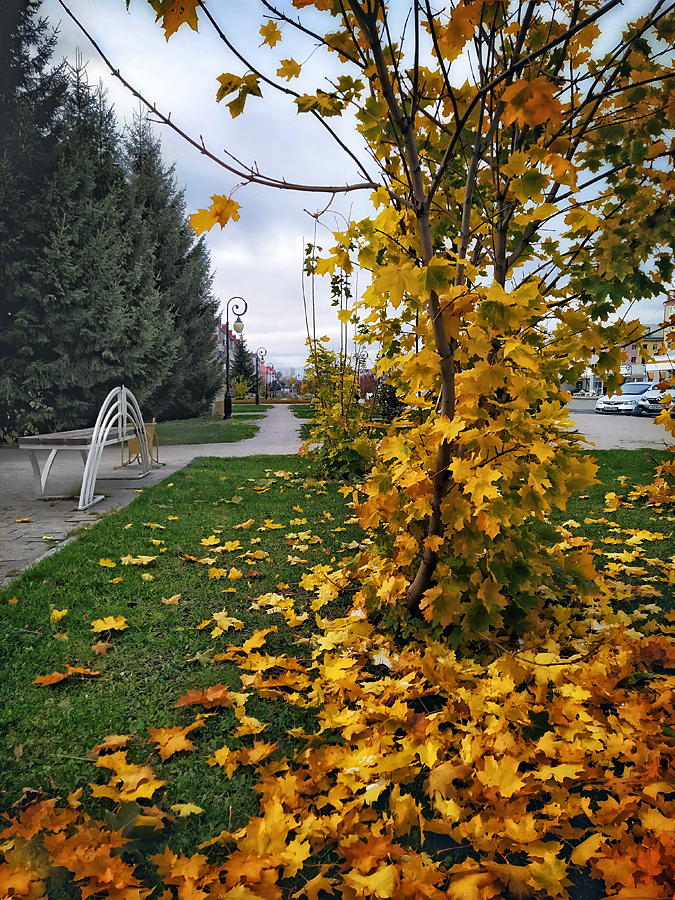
(146, 577)
(101, 648)
(116, 580)
(130, 560)
(258, 639)
(13, 601)
(259, 750)
(217, 695)
(173, 518)
(172, 739)
(171, 601)
(108, 563)
(55, 677)
(249, 725)
(61, 636)
(186, 809)
(245, 524)
(154, 525)
(225, 622)
(204, 658)
(110, 742)
(110, 623)
(57, 614)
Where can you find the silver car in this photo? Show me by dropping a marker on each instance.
(651, 403)
(625, 402)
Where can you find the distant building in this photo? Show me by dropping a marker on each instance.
(221, 343)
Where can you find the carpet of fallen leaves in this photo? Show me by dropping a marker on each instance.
(523, 771)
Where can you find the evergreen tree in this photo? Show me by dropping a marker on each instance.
(91, 305)
(243, 367)
(182, 277)
(30, 99)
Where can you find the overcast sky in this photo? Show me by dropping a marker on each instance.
(259, 257)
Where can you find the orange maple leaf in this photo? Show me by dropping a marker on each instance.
(55, 677)
(174, 13)
(218, 695)
(171, 740)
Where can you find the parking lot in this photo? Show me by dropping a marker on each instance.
(616, 431)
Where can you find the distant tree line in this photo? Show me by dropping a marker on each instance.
(102, 279)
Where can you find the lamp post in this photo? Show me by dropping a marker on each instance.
(260, 355)
(238, 327)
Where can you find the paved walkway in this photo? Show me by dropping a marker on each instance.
(21, 543)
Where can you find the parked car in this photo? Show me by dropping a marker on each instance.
(651, 403)
(626, 401)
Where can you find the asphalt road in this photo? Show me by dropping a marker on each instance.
(617, 431)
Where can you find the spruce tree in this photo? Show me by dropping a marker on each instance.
(94, 312)
(243, 367)
(182, 277)
(31, 95)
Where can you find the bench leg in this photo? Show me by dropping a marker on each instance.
(41, 477)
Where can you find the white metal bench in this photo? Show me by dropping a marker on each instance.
(119, 420)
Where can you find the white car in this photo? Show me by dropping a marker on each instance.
(626, 402)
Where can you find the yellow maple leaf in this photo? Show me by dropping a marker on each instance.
(108, 563)
(171, 601)
(57, 614)
(230, 546)
(220, 212)
(110, 623)
(245, 525)
(186, 809)
(501, 774)
(271, 33)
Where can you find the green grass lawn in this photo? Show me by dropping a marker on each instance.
(47, 732)
(245, 406)
(303, 410)
(610, 524)
(202, 548)
(211, 429)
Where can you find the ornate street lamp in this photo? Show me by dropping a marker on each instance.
(238, 327)
(260, 355)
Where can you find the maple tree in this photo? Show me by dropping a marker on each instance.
(518, 164)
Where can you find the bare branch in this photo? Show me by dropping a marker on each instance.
(245, 173)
